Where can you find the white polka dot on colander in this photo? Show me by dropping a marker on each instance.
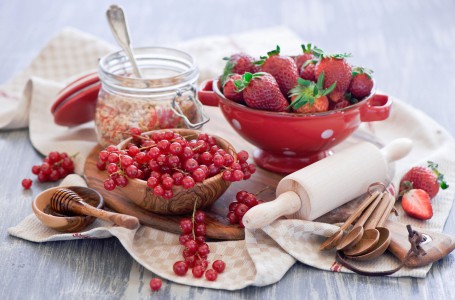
(236, 124)
(327, 134)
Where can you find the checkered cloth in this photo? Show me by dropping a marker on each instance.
(266, 254)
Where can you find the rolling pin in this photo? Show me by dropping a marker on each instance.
(329, 183)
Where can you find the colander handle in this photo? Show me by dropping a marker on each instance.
(377, 108)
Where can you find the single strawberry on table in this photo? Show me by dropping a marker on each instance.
(261, 91)
(417, 204)
(310, 97)
(282, 68)
(336, 69)
(230, 90)
(427, 178)
(361, 83)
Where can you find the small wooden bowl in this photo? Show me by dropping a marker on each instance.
(205, 193)
(41, 208)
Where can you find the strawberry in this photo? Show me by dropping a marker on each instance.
(361, 83)
(337, 70)
(428, 179)
(281, 67)
(307, 71)
(261, 91)
(238, 63)
(416, 203)
(230, 90)
(310, 97)
(306, 56)
(339, 105)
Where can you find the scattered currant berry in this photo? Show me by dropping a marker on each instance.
(26, 183)
(219, 266)
(211, 275)
(155, 284)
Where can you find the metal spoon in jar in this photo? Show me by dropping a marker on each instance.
(117, 23)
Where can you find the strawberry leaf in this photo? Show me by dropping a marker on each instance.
(274, 52)
(434, 167)
(329, 89)
(320, 82)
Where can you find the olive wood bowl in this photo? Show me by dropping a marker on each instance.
(42, 209)
(183, 201)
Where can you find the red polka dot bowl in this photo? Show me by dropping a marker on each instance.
(287, 142)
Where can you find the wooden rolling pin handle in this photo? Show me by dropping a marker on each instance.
(397, 149)
(122, 220)
(262, 215)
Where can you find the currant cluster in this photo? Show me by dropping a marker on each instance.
(55, 166)
(166, 159)
(237, 209)
(196, 250)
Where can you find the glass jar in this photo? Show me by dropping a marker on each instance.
(164, 98)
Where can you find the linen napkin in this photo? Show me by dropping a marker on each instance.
(266, 254)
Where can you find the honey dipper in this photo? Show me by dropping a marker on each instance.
(66, 201)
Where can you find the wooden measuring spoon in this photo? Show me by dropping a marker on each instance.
(356, 233)
(385, 236)
(66, 201)
(333, 240)
(370, 235)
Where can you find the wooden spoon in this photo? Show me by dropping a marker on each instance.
(333, 240)
(371, 235)
(356, 233)
(385, 236)
(66, 201)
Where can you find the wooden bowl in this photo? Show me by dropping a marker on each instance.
(205, 193)
(41, 208)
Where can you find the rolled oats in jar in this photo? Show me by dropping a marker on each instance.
(164, 98)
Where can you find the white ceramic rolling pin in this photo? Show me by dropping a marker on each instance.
(329, 183)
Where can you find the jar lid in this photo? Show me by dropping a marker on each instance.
(76, 103)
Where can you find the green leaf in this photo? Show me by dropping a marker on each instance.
(303, 48)
(274, 52)
(320, 83)
(303, 82)
(444, 185)
(315, 91)
(247, 77)
(329, 89)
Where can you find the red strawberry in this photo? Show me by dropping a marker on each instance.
(361, 83)
(337, 70)
(309, 97)
(339, 105)
(426, 178)
(416, 203)
(307, 71)
(283, 68)
(238, 63)
(302, 58)
(261, 91)
(230, 90)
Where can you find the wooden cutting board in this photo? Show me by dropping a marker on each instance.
(218, 226)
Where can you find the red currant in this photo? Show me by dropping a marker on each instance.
(192, 246)
(242, 156)
(109, 184)
(187, 182)
(186, 225)
(155, 284)
(198, 271)
(219, 266)
(26, 183)
(203, 249)
(199, 217)
(240, 210)
(211, 275)
(180, 268)
(200, 230)
(232, 217)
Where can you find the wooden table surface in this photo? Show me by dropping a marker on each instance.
(409, 44)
